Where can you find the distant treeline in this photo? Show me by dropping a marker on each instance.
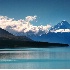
(28, 44)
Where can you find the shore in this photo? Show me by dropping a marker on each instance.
(28, 44)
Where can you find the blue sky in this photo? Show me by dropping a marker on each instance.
(47, 11)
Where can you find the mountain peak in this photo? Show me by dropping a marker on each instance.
(62, 25)
(64, 22)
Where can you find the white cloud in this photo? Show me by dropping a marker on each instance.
(61, 30)
(22, 26)
(30, 18)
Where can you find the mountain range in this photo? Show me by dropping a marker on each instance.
(59, 33)
(8, 40)
(5, 35)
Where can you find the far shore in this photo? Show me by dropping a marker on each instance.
(28, 44)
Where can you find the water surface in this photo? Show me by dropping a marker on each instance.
(35, 58)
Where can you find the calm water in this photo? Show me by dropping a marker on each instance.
(35, 58)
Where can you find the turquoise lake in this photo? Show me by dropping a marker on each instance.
(35, 58)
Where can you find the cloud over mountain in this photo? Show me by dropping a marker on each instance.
(22, 25)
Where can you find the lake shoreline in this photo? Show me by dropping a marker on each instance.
(29, 44)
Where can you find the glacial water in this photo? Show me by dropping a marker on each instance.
(35, 58)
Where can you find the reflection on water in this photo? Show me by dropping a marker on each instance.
(35, 58)
(35, 55)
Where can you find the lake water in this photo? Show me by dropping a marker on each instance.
(35, 58)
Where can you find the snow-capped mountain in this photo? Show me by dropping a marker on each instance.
(63, 26)
(60, 33)
(60, 26)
